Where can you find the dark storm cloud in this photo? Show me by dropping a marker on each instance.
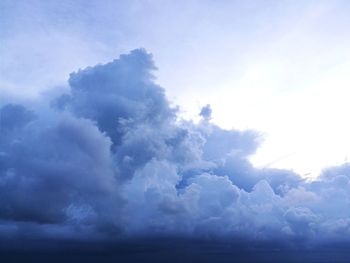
(55, 171)
(14, 117)
(111, 159)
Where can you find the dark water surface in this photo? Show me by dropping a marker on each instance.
(170, 251)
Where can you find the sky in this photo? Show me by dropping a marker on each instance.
(279, 67)
(282, 63)
(203, 120)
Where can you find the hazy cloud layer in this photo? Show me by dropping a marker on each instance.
(111, 159)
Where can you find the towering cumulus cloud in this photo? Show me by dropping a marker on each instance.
(111, 159)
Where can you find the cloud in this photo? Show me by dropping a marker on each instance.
(51, 171)
(206, 112)
(112, 159)
(14, 117)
